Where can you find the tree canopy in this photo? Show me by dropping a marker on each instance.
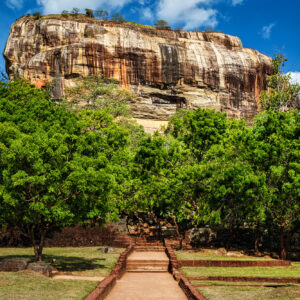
(58, 169)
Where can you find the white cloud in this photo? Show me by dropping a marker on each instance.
(266, 31)
(14, 4)
(192, 13)
(295, 76)
(237, 2)
(57, 6)
(147, 14)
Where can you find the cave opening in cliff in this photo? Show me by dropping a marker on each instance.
(162, 99)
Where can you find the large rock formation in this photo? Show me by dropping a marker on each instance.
(167, 69)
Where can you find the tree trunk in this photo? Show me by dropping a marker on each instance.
(283, 249)
(256, 242)
(38, 243)
(179, 236)
(38, 252)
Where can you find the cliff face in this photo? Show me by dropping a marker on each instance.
(167, 69)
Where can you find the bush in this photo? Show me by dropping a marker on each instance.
(117, 17)
(89, 13)
(161, 23)
(37, 15)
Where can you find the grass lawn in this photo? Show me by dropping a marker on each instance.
(293, 271)
(249, 293)
(210, 255)
(221, 283)
(28, 286)
(86, 261)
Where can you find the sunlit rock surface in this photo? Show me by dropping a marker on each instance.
(167, 69)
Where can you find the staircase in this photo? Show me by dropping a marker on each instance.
(148, 257)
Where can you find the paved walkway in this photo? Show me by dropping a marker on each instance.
(72, 277)
(161, 256)
(147, 285)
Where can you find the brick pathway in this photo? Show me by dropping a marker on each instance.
(147, 279)
(146, 286)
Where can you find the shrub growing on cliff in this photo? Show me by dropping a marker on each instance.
(161, 23)
(75, 11)
(281, 94)
(65, 13)
(117, 17)
(101, 14)
(97, 92)
(37, 15)
(89, 13)
(57, 169)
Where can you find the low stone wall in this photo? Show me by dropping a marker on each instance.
(75, 236)
(105, 286)
(103, 289)
(234, 263)
(191, 292)
(246, 279)
(120, 267)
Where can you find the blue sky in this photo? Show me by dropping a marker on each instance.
(270, 26)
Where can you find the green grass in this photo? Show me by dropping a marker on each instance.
(27, 286)
(243, 272)
(250, 293)
(86, 261)
(187, 255)
(221, 283)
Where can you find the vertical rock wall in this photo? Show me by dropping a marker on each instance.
(167, 69)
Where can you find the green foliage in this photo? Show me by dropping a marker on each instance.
(161, 23)
(97, 92)
(89, 13)
(75, 11)
(3, 76)
(281, 93)
(101, 14)
(117, 17)
(199, 129)
(65, 13)
(58, 169)
(37, 15)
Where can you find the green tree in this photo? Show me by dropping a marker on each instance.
(274, 149)
(101, 14)
(65, 13)
(75, 11)
(37, 15)
(118, 17)
(161, 23)
(57, 169)
(281, 93)
(199, 129)
(89, 13)
(156, 182)
(100, 93)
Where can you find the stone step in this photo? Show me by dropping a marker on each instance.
(153, 249)
(147, 263)
(146, 268)
(147, 271)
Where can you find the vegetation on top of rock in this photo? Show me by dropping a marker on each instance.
(161, 23)
(97, 92)
(117, 17)
(281, 93)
